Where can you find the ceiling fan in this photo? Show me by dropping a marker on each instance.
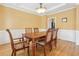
(41, 9)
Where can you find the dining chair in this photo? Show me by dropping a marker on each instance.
(17, 44)
(46, 41)
(55, 37)
(36, 30)
(28, 30)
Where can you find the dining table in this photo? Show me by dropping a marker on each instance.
(34, 37)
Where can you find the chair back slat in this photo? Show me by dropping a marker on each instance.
(36, 30)
(55, 31)
(49, 35)
(28, 30)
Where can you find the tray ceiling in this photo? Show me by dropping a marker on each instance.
(31, 7)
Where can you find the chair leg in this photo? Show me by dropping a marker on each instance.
(36, 46)
(50, 45)
(28, 51)
(12, 53)
(55, 42)
(44, 51)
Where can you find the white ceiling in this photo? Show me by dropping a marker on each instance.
(31, 7)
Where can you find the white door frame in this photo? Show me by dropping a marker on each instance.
(49, 22)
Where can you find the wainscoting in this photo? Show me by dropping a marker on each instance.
(68, 35)
(77, 37)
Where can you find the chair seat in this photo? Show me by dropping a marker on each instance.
(42, 39)
(41, 42)
(19, 45)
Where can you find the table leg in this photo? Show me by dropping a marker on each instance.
(33, 47)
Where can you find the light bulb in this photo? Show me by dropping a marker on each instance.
(41, 10)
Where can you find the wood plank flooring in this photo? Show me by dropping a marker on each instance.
(64, 48)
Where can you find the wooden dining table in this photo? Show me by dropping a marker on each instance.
(34, 36)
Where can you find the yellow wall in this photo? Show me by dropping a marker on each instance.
(2, 17)
(71, 18)
(77, 17)
(44, 22)
(11, 18)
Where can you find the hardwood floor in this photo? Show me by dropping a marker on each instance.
(64, 48)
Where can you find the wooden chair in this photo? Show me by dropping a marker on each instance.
(36, 30)
(28, 30)
(55, 32)
(46, 41)
(17, 44)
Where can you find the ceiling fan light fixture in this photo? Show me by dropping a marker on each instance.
(41, 9)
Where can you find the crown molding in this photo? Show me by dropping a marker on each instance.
(21, 9)
(57, 6)
(34, 13)
(60, 11)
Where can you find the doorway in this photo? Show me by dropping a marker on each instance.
(51, 22)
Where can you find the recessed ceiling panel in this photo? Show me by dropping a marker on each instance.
(32, 6)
